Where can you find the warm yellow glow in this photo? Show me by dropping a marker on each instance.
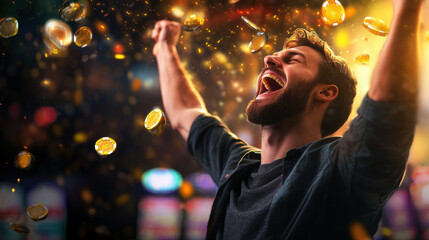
(342, 39)
(120, 56)
(177, 12)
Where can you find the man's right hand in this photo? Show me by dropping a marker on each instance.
(165, 32)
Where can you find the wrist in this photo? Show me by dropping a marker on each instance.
(409, 8)
(165, 47)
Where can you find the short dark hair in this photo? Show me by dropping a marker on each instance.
(334, 70)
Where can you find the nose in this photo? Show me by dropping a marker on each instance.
(271, 61)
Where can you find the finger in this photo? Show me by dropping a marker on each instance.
(155, 31)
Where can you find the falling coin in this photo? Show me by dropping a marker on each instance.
(362, 59)
(258, 42)
(8, 27)
(155, 122)
(82, 37)
(192, 23)
(57, 35)
(73, 11)
(24, 159)
(19, 228)
(250, 24)
(105, 146)
(333, 12)
(37, 212)
(376, 26)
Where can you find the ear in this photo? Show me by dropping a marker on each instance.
(327, 93)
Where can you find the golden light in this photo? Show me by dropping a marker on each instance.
(177, 12)
(120, 56)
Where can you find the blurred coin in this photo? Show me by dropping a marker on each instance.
(19, 228)
(427, 36)
(8, 27)
(250, 24)
(362, 59)
(82, 37)
(57, 35)
(376, 26)
(105, 146)
(24, 159)
(37, 212)
(192, 23)
(258, 42)
(73, 11)
(333, 12)
(155, 122)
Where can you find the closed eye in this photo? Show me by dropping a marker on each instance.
(294, 57)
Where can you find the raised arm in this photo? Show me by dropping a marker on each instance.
(181, 100)
(395, 76)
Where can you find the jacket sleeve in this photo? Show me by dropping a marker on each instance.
(372, 155)
(214, 146)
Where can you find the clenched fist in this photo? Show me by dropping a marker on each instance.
(165, 32)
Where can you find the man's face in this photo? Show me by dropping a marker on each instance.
(284, 85)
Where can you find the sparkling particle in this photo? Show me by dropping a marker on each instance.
(362, 59)
(105, 146)
(73, 11)
(376, 26)
(8, 27)
(192, 23)
(333, 12)
(82, 37)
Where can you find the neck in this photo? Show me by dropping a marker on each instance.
(285, 135)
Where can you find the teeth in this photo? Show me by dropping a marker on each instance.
(267, 75)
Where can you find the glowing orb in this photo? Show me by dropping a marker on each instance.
(333, 12)
(376, 26)
(82, 37)
(73, 11)
(192, 23)
(8, 27)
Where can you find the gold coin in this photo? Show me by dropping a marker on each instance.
(19, 228)
(258, 42)
(376, 26)
(8, 27)
(24, 159)
(155, 122)
(362, 59)
(82, 37)
(192, 23)
(57, 36)
(105, 146)
(250, 24)
(427, 36)
(37, 212)
(73, 11)
(333, 12)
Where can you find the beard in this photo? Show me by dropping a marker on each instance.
(291, 102)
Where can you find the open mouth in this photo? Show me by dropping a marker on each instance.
(270, 83)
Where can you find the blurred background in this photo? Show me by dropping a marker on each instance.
(57, 98)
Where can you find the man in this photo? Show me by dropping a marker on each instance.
(301, 184)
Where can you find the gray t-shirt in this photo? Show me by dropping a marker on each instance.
(247, 214)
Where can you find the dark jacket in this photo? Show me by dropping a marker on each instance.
(327, 185)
